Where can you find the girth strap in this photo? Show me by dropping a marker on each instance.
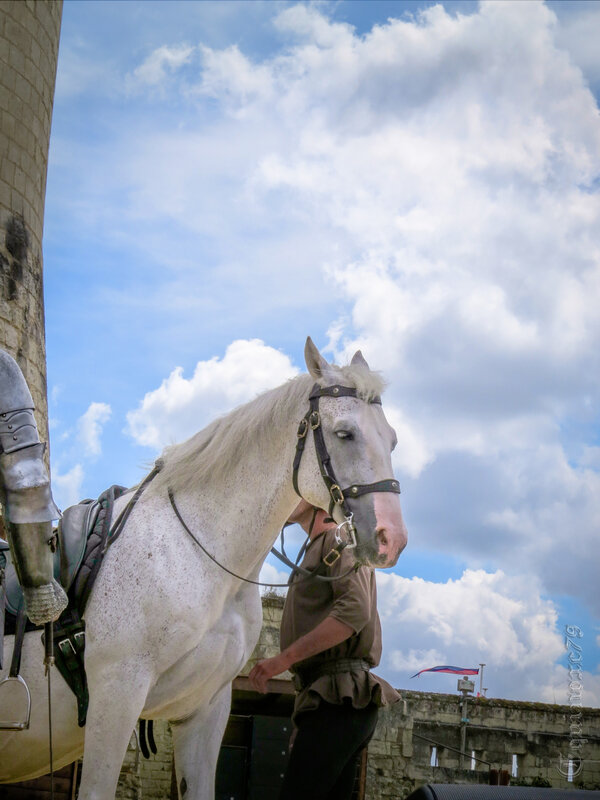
(69, 647)
(15, 664)
(147, 743)
(2, 603)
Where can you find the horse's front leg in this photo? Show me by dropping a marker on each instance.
(196, 743)
(118, 692)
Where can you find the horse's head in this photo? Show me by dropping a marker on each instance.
(348, 470)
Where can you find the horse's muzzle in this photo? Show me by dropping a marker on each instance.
(391, 535)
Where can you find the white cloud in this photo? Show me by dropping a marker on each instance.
(181, 406)
(89, 428)
(578, 34)
(270, 574)
(66, 488)
(411, 455)
(228, 73)
(444, 167)
(414, 660)
(161, 62)
(491, 618)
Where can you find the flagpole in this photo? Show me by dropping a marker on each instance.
(481, 679)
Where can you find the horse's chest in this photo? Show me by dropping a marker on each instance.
(213, 662)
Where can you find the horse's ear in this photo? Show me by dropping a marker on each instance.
(315, 363)
(358, 358)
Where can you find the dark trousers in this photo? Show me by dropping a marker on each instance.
(326, 751)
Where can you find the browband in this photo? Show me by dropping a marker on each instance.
(338, 391)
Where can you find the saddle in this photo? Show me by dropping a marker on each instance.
(84, 536)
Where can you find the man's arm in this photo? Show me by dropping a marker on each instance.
(327, 634)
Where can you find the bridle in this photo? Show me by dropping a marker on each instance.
(337, 495)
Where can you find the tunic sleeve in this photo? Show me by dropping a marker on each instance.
(353, 596)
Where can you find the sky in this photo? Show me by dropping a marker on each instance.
(417, 180)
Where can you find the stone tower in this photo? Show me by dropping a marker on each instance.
(29, 34)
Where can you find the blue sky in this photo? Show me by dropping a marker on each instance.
(417, 180)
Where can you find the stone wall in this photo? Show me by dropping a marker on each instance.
(538, 734)
(268, 643)
(29, 36)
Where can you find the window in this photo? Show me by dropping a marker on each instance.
(473, 762)
(434, 757)
(515, 766)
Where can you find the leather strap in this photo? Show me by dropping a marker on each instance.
(307, 676)
(338, 391)
(147, 743)
(387, 485)
(15, 664)
(2, 604)
(69, 646)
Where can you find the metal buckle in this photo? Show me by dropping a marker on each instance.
(331, 557)
(351, 532)
(315, 420)
(77, 636)
(70, 643)
(337, 494)
(302, 428)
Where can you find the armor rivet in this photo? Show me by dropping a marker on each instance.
(336, 390)
(10, 427)
(15, 437)
(354, 490)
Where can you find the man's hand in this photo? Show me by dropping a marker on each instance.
(327, 634)
(262, 672)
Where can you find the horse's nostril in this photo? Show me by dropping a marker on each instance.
(382, 538)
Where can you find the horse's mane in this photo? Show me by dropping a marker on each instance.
(209, 455)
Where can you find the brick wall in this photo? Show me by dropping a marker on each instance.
(29, 36)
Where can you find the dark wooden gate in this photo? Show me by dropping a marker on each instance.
(255, 746)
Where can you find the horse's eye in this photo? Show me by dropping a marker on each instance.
(344, 435)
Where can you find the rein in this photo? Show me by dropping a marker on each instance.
(308, 574)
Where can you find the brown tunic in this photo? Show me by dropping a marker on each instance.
(351, 600)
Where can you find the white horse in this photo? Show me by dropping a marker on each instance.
(167, 629)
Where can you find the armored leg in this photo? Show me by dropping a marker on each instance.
(26, 497)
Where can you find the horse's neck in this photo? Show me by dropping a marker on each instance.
(241, 516)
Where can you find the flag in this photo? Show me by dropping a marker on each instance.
(451, 670)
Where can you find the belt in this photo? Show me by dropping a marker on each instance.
(304, 677)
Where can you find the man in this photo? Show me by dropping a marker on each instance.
(28, 507)
(330, 639)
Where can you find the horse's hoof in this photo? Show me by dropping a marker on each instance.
(45, 603)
